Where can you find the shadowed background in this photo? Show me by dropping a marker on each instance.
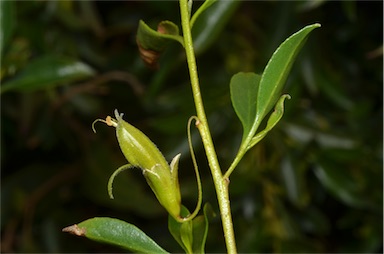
(314, 184)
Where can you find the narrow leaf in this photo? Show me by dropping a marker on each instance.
(48, 71)
(201, 9)
(274, 118)
(115, 232)
(243, 87)
(277, 70)
(210, 24)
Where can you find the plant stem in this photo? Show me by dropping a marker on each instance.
(221, 183)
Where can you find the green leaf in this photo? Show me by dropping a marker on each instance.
(274, 118)
(182, 234)
(186, 234)
(152, 43)
(201, 9)
(268, 92)
(115, 232)
(244, 87)
(199, 233)
(7, 22)
(150, 39)
(211, 23)
(200, 229)
(276, 72)
(191, 235)
(47, 71)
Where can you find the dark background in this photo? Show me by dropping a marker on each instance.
(314, 184)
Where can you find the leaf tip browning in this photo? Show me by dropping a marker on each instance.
(74, 230)
(150, 57)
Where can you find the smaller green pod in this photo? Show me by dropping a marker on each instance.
(141, 152)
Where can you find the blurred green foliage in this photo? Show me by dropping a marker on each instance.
(314, 184)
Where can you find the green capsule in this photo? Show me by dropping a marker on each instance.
(141, 152)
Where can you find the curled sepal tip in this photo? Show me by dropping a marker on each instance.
(112, 178)
(142, 153)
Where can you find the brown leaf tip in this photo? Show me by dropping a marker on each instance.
(149, 57)
(75, 230)
(161, 29)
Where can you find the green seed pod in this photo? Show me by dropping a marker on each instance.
(141, 152)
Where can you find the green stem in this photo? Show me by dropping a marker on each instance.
(221, 183)
(236, 161)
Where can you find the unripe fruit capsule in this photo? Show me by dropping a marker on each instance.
(141, 152)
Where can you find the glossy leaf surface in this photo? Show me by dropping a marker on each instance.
(48, 71)
(244, 87)
(276, 72)
(116, 232)
(274, 118)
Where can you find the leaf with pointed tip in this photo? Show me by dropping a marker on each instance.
(243, 88)
(276, 72)
(47, 71)
(116, 232)
(274, 118)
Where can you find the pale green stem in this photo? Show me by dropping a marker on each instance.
(221, 183)
(243, 149)
(236, 161)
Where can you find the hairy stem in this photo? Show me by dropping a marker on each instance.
(221, 183)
